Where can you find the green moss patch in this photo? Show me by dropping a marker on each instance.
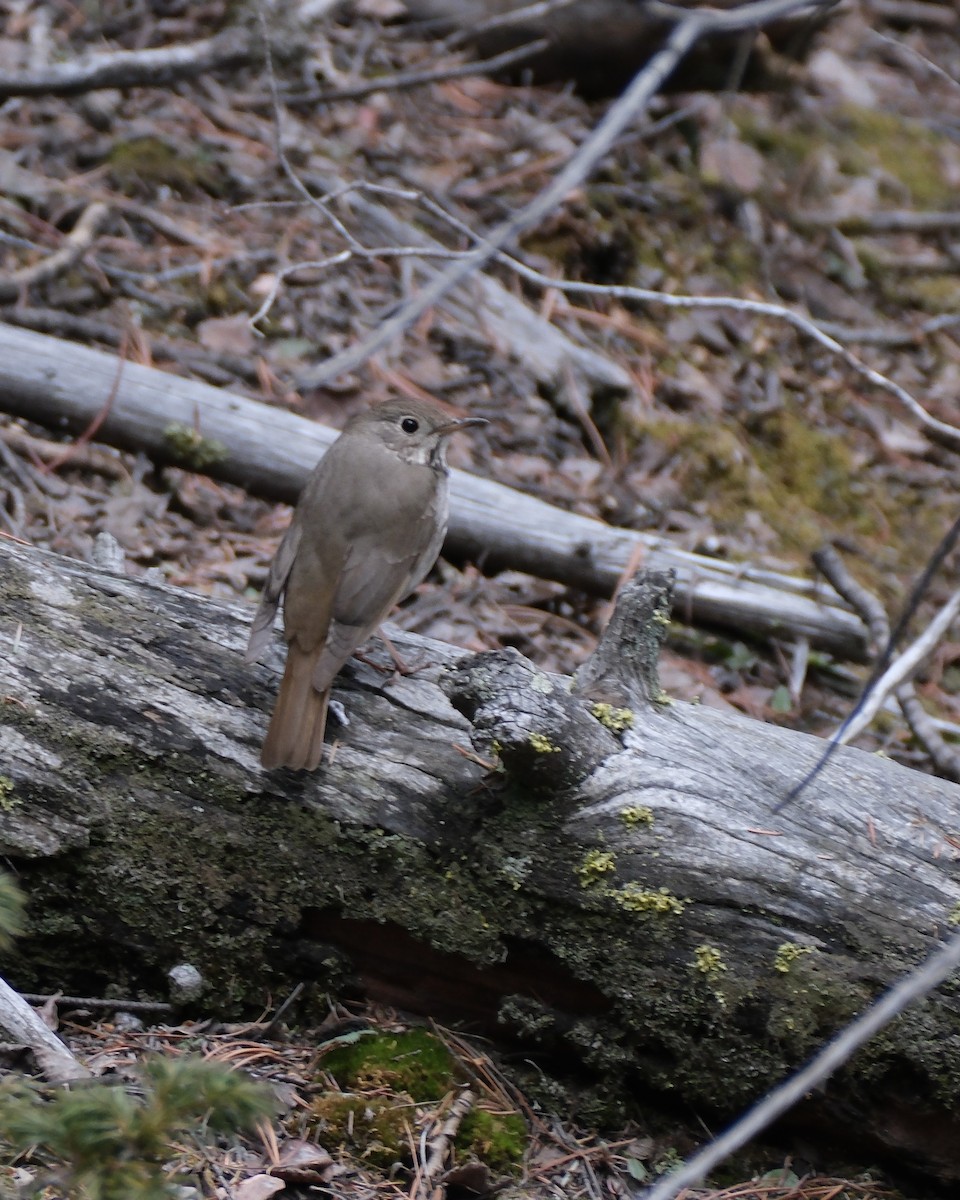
(390, 1083)
(416, 1063)
(143, 164)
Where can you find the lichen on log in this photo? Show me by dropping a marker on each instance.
(646, 917)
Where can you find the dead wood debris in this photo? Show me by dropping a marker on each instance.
(201, 226)
(711, 197)
(557, 1160)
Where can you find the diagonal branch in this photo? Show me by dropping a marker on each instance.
(686, 33)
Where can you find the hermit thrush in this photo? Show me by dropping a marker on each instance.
(368, 527)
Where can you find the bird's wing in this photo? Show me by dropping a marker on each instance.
(262, 628)
(313, 501)
(377, 573)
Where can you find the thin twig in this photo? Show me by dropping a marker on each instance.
(77, 242)
(87, 435)
(516, 16)
(97, 1003)
(295, 181)
(891, 221)
(871, 611)
(938, 431)
(432, 1167)
(946, 547)
(903, 668)
(404, 80)
(945, 759)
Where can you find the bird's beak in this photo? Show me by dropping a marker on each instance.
(461, 423)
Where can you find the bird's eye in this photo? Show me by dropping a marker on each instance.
(409, 425)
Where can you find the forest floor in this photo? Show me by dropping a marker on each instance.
(738, 439)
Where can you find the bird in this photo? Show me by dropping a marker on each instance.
(368, 527)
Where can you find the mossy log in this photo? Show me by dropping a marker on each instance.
(615, 895)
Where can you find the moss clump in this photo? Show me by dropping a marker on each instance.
(595, 865)
(141, 165)
(415, 1062)
(906, 155)
(802, 481)
(191, 449)
(954, 918)
(787, 955)
(498, 1139)
(385, 1077)
(636, 814)
(932, 293)
(615, 719)
(908, 151)
(374, 1128)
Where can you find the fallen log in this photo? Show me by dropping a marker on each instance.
(270, 452)
(601, 44)
(616, 895)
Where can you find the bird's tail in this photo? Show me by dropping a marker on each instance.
(295, 736)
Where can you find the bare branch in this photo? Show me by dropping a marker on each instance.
(903, 668)
(24, 1025)
(404, 80)
(516, 16)
(686, 33)
(891, 221)
(133, 68)
(938, 431)
(77, 242)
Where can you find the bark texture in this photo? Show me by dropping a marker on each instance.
(615, 895)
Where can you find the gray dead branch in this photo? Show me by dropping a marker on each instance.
(616, 896)
(156, 67)
(25, 1025)
(270, 452)
(516, 329)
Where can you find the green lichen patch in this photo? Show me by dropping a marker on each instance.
(191, 449)
(634, 898)
(636, 814)
(596, 864)
(787, 955)
(542, 744)
(708, 960)
(7, 800)
(615, 719)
